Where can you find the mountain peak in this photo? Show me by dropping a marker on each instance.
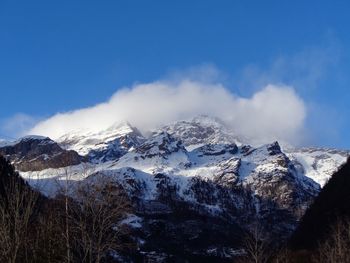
(35, 153)
(107, 144)
(208, 120)
(201, 130)
(123, 127)
(274, 148)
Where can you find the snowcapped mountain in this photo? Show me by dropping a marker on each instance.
(201, 130)
(105, 145)
(191, 177)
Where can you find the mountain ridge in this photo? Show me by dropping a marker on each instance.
(196, 168)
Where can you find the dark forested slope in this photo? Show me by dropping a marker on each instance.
(331, 205)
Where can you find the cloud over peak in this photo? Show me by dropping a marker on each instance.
(275, 112)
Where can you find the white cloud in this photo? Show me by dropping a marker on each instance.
(16, 125)
(305, 70)
(274, 112)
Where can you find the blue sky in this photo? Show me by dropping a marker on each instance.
(57, 56)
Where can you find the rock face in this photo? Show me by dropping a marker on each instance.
(36, 153)
(194, 186)
(201, 130)
(160, 144)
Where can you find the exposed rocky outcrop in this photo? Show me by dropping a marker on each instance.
(201, 130)
(36, 153)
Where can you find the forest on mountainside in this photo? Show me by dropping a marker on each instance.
(34, 228)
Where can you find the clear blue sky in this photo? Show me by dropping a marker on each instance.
(61, 55)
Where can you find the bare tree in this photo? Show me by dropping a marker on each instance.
(82, 224)
(101, 204)
(336, 248)
(283, 255)
(66, 202)
(63, 192)
(256, 246)
(65, 189)
(49, 244)
(17, 209)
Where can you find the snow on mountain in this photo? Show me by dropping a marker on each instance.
(204, 131)
(202, 147)
(160, 153)
(271, 174)
(3, 142)
(104, 145)
(201, 130)
(319, 164)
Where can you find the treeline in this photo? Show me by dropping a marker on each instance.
(34, 228)
(334, 247)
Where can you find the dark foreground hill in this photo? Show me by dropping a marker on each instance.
(331, 205)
